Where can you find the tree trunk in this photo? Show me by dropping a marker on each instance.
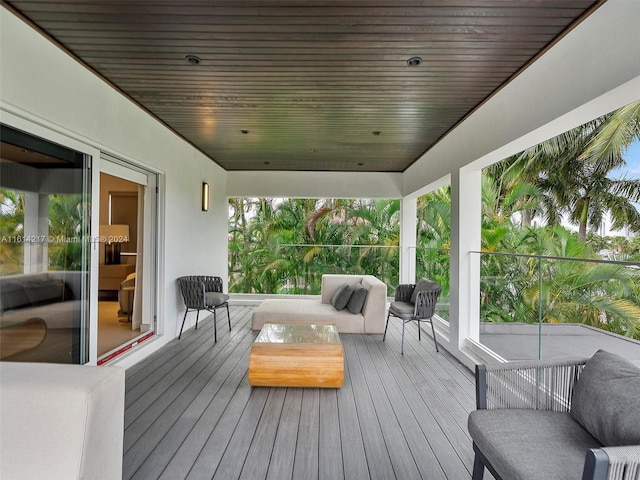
(584, 219)
(582, 231)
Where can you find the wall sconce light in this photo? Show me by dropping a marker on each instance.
(205, 197)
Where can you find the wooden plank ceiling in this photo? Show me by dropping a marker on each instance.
(302, 85)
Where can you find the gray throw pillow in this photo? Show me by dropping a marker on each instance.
(606, 399)
(358, 297)
(214, 299)
(423, 284)
(342, 296)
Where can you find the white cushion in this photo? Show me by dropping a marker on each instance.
(61, 421)
(305, 310)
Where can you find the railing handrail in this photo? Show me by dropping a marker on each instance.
(359, 245)
(331, 245)
(551, 257)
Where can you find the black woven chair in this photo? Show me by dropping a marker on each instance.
(421, 309)
(201, 292)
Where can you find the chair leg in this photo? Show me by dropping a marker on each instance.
(419, 331)
(385, 327)
(229, 317)
(433, 331)
(183, 319)
(402, 342)
(215, 327)
(478, 468)
(197, 315)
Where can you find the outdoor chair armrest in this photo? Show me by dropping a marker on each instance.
(536, 384)
(426, 301)
(404, 291)
(612, 463)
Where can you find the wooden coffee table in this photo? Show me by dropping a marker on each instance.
(297, 355)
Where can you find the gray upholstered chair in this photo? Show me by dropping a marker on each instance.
(415, 302)
(201, 292)
(557, 418)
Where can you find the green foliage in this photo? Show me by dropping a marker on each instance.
(11, 230)
(559, 285)
(68, 231)
(285, 246)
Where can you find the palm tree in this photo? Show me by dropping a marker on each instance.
(573, 170)
(434, 219)
(434, 239)
(375, 226)
(66, 222)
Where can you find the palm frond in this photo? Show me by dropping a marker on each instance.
(614, 135)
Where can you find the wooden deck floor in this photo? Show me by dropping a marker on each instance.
(191, 414)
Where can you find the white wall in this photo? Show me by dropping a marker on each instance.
(42, 86)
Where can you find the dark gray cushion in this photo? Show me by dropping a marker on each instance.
(44, 290)
(423, 284)
(214, 299)
(13, 295)
(606, 399)
(402, 309)
(340, 299)
(358, 297)
(531, 444)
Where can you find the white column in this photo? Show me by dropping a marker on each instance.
(466, 221)
(36, 230)
(43, 232)
(408, 234)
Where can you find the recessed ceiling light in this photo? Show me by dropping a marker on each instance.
(192, 60)
(414, 61)
(244, 132)
(376, 132)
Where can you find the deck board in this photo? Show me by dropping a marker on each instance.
(354, 459)
(283, 453)
(190, 413)
(256, 464)
(330, 444)
(306, 459)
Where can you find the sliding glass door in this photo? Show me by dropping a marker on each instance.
(45, 250)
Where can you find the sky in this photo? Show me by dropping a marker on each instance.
(632, 169)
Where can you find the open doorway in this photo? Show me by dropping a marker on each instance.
(117, 267)
(126, 267)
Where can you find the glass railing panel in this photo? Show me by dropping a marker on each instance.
(297, 269)
(550, 307)
(434, 264)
